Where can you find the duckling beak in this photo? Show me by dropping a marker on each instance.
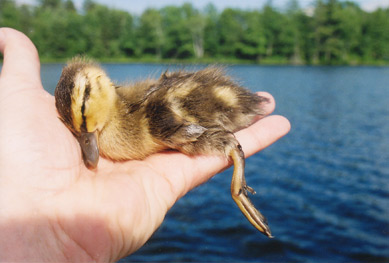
(90, 149)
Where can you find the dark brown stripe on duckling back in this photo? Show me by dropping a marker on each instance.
(161, 119)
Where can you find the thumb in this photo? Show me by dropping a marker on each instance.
(21, 61)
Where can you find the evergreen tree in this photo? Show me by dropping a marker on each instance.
(178, 39)
(231, 20)
(328, 32)
(252, 45)
(211, 31)
(149, 33)
(272, 23)
(376, 35)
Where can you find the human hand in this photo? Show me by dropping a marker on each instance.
(52, 208)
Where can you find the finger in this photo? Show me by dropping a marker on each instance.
(21, 61)
(262, 134)
(270, 105)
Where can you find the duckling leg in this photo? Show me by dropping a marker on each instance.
(239, 190)
(218, 140)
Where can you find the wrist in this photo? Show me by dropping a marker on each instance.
(37, 239)
(24, 240)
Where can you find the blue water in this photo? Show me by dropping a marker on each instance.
(324, 187)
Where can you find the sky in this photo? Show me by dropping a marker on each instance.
(138, 6)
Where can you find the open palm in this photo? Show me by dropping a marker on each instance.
(52, 208)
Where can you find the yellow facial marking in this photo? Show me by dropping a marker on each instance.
(77, 96)
(93, 95)
(226, 95)
(101, 100)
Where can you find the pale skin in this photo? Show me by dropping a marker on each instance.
(52, 208)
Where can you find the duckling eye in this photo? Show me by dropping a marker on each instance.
(86, 141)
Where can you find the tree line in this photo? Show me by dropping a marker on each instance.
(332, 32)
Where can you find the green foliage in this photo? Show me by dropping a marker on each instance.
(149, 34)
(376, 34)
(211, 33)
(333, 33)
(14, 16)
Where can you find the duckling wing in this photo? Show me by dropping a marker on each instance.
(170, 128)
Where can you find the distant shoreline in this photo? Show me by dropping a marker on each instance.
(224, 61)
(209, 61)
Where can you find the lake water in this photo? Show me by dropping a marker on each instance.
(324, 187)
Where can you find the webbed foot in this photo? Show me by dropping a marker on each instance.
(239, 190)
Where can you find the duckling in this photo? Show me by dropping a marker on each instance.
(192, 112)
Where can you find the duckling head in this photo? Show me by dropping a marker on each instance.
(84, 98)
